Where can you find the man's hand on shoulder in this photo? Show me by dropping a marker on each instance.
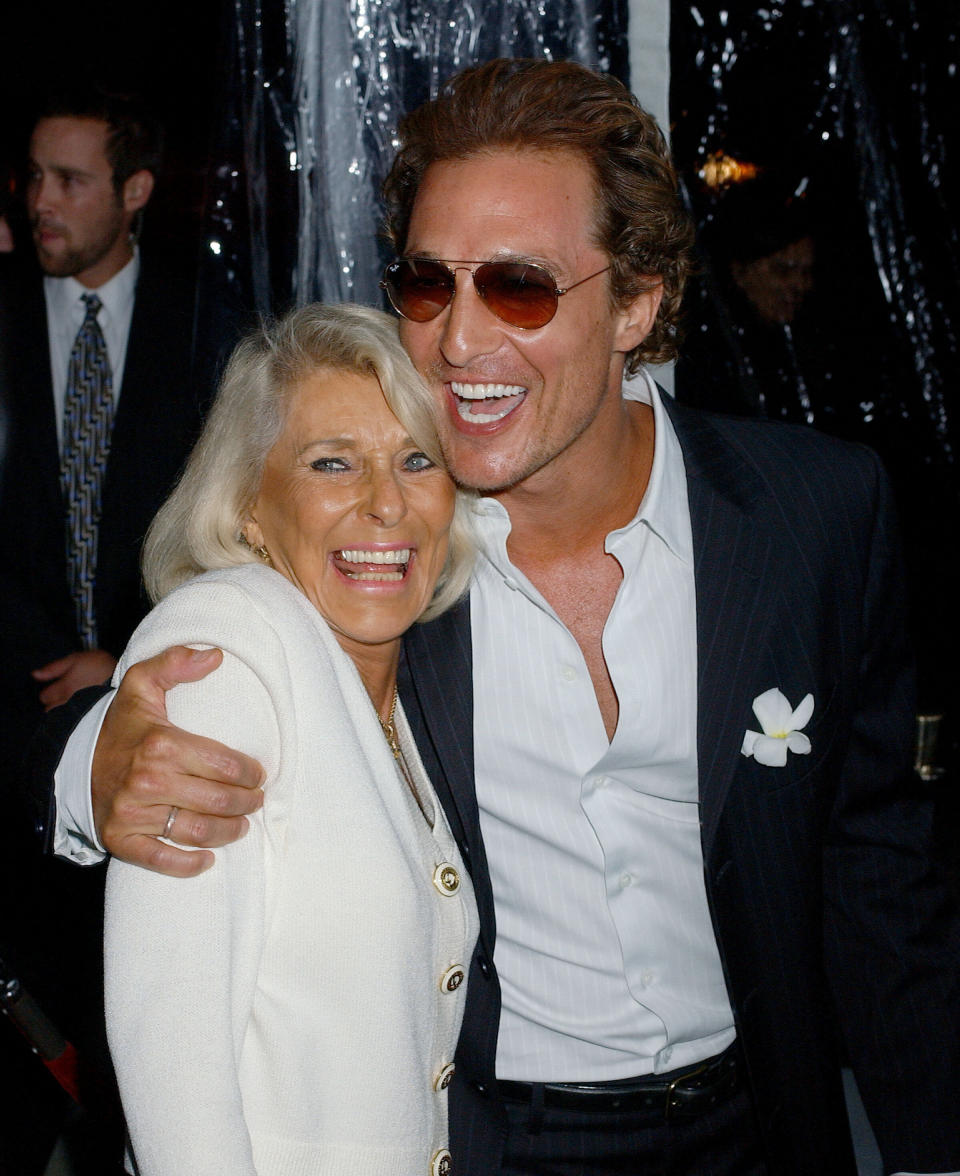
(152, 780)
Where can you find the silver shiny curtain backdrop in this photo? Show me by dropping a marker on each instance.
(843, 107)
(313, 94)
(845, 114)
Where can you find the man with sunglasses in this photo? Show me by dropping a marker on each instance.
(672, 901)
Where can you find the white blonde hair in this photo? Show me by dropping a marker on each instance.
(199, 527)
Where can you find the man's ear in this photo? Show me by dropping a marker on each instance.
(137, 190)
(637, 319)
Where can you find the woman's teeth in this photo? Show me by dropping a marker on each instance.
(398, 557)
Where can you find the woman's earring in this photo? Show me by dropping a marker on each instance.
(261, 551)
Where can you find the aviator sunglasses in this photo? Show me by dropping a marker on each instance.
(519, 293)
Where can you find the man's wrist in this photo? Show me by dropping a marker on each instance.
(75, 834)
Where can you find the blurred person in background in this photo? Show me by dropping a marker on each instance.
(104, 394)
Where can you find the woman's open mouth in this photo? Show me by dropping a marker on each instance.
(357, 563)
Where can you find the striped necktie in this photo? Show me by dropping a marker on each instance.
(87, 422)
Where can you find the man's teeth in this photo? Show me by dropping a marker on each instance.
(473, 392)
(398, 556)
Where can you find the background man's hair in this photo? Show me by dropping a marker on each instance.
(134, 140)
(560, 105)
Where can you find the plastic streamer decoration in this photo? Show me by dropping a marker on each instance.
(814, 144)
(839, 107)
(313, 93)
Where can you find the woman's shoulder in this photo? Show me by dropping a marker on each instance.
(237, 608)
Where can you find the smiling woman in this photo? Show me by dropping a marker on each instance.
(250, 1025)
(201, 526)
(354, 514)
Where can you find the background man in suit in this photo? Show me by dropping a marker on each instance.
(70, 591)
(672, 900)
(103, 404)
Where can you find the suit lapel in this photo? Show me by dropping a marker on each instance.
(736, 585)
(436, 686)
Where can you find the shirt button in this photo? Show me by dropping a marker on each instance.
(568, 673)
(446, 879)
(442, 1164)
(646, 978)
(625, 881)
(452, 978)
(444, 1077)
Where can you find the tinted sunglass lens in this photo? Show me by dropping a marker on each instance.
(521, 294)
(418, 289)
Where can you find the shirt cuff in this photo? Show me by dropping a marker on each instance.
(74, 832)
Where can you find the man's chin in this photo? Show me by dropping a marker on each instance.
(59, 265)
(53, 266)
(486, 477)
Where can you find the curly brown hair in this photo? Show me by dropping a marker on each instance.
(561, 105)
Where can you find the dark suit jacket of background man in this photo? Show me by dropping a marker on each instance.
(167, 380)
(157, 420)
(817, 873)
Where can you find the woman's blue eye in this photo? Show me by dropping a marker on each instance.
(418, 461)
(329, 465)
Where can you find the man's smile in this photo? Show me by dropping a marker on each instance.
(484, 404)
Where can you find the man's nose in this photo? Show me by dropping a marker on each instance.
(470, 327)
(40, 194)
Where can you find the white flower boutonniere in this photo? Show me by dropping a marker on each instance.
(782, 729)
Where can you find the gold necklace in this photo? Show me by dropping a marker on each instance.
(389, 728)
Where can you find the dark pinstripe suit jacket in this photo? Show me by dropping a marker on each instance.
(817, 873)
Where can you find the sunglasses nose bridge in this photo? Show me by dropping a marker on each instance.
(480, 288)
(466, 269)
(455, 288)
(470, 327)
(451, 272)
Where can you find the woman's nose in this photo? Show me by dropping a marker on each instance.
(385, 500)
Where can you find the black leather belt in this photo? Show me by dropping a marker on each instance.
(680, 1094)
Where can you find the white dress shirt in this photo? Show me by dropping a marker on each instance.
(65, 314)
(606, 955)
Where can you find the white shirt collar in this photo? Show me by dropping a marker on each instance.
(64, 294)
(664, 507)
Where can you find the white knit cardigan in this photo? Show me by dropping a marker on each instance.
(284, 1012)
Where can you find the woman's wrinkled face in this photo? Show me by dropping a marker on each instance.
(351, 511)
